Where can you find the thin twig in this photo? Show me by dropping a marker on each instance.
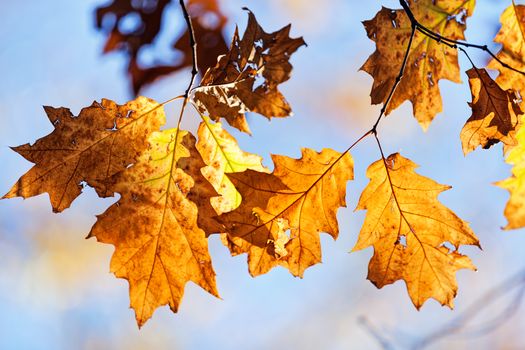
(456, 325)
(398, 80)
(194, 68)
(451, 42)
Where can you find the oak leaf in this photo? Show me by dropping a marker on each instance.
(428, 61)
(512, 38)
(229, 89)
(301, 197)
(159, 245)
(408, 228)
(222, 155)
(103, 140)
(147, 20)
(515, 208)
(495, 113)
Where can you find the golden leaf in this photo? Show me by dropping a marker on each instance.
(228, 90)
(515, 209)
(495, 114)
(159, 245)
(408, 228)
(103, 140)
(300, 196)
(428, 62)
(512, 38)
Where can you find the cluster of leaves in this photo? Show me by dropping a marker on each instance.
(132, 27)
(176, 190)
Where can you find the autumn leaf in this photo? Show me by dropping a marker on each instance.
(495, 113)
(409, 230)
(301, 197)
(515, 208)
(428, 61)
(229, 89)
(222, 154)
(512, 38)
(103, 140)
(208, 23)
(159, 245)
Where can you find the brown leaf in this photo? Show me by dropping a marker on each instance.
(229, 89)
(428, 61)
(409, 228)
(301, 197)
(512, 38)
(159, 245)
(495, 114)
(102, 141)
(207, 19)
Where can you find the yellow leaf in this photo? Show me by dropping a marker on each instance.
(103, 140)
(301, 196)
(408, 228)
(159, 245)
(512, 38)
(428, 62)
(515, 209)
(222, 154)
(495, 114)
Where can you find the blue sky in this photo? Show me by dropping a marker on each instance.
(55, 288)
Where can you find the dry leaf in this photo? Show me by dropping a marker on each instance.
(103, 140)
(495, 114)
(428, 61)
(300, 196)
(159, 246)
(512, 38)
(115, 18)
(229, 89)
(409, 228)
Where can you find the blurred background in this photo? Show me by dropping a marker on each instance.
(55, 287)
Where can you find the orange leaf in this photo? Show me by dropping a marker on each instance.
(102, 141)
(512, 38)
(408, 228)
(154, 227)
(428, 61)
(301, 197)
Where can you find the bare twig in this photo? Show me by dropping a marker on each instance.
(194, 68)
(459, 323)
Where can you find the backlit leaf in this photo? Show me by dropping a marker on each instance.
(103, 140)
(409, 230)
(428, 62)
(159, 245)
(495, 114)
(229, 89)
(301, 198)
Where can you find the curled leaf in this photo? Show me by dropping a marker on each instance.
(495, 113)
(229, 89)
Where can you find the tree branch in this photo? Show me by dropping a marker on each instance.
(450, 42)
